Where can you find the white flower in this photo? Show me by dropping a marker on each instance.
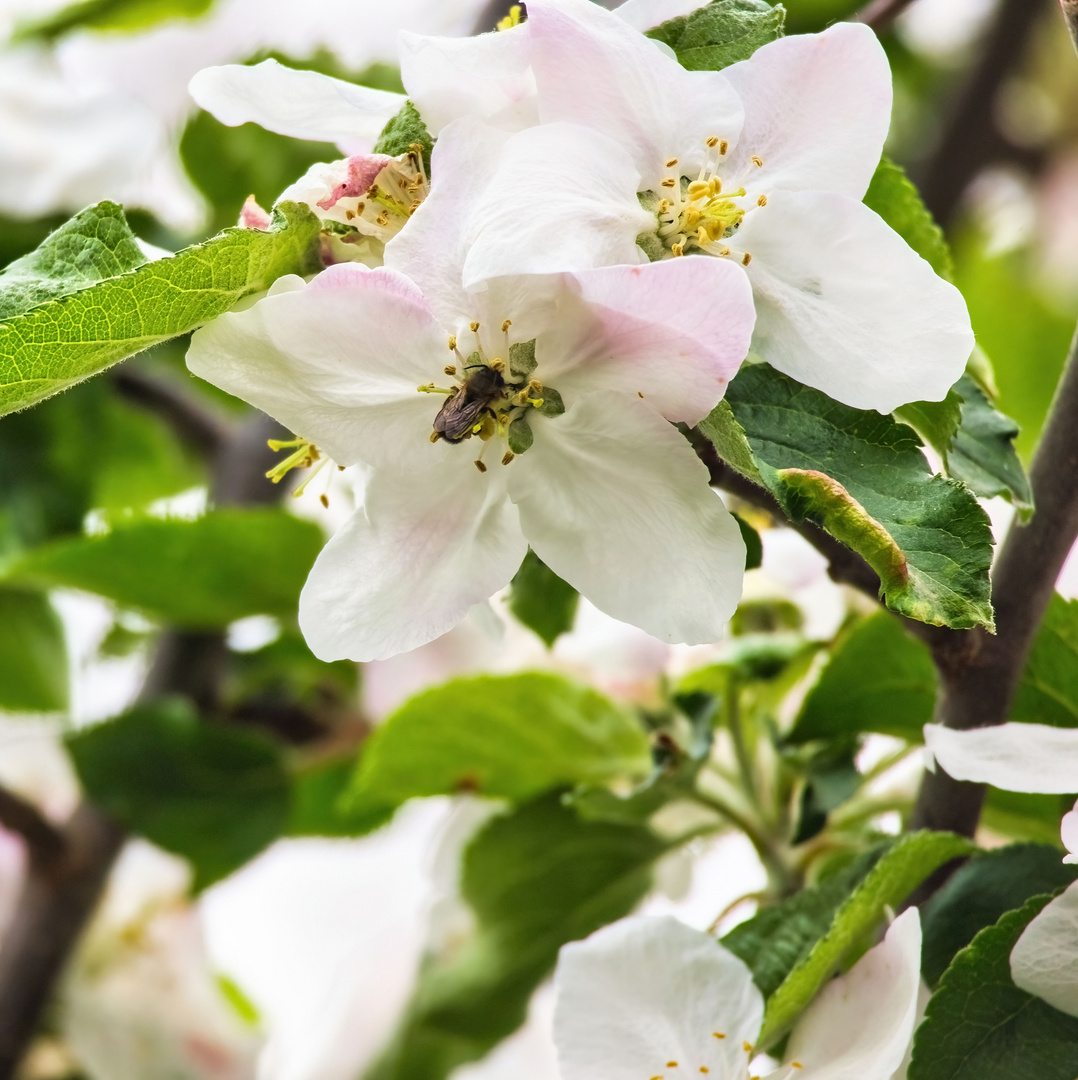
(843, 304)
(653, 999)
(1040, 759)
(567, 447)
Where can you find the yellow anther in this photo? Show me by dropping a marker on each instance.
(498, 364)
(349, 214)
(712, 141)
(714, 185)
(435, 436)
(796, 1065)
(747, 1047)
(303, 456)
(476, 428)
(360, 207)
(757, 160)
(668, 181)
(702, 236)
(718, 1035)
(324, 500)
(537, 402)
(535, 386)
(704, 1069)
(452, 344)
(506, 325)
(762, 201)
(724, 251)
(746, 259)
(474, 326)
(699, 189)
(671, 163)
(510, 20)
(671, 1064)
(664, 205)
(723, 146)
(509, 455)
(677, 249)
(383, 218)
(449, 369)
(480, 466)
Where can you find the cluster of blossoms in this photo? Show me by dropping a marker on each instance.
(506, 344)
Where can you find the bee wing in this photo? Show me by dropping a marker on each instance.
(457, 416)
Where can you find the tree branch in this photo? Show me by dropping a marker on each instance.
(1070, 15)
(969, 139)
(880, 14)
(44, 842)
(60, 895)
(979, 684)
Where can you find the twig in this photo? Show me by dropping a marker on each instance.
(1070, 15)
(970, 140)
(44, 842)
(880, 14)
(978, 687)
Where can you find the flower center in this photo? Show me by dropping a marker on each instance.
(701, 214)
(493, 398)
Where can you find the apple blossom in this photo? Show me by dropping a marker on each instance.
(763, 165)
(572, 377)
(651, 997)
(1040, 759)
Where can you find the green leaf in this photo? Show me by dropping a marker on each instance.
(33, 656)
(213, 794)
(1048, 691)
(781, 935)
(982, 455)
(509, 737)
(320, 803)
(535, 879)
(56, 343)
(898, 872)
(754, 546)
(202, 573)
(879, 679)
(831, 777)
(1022, 816)
(404, 131)
(893, 196)
(728, 437)
(109, 15)
(720, 34)
(980, 1026)
(541, 600)
(863, 478)
(935, 421)
(982, 891)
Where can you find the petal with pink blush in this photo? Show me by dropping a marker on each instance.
(336, 361)
(674, 333)
(406, 568)
(594, 69)
(614, 500)
(300, 104)
(817, 111)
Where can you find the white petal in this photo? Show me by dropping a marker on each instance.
(645, 14)
(1068, 831)
(1044, 960)
(336, 361)
(860, 1025)
(1014, 757)
(673, 332)
(817, 110)
(846, 306)
(485, 76)
(644, 992)
(407, 567)
(614, 501)
(593, 68)
(300, 104)
(581, 208)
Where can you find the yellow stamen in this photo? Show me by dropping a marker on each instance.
(746, 259)
(510, 20)
(480, 466)
(757, 161)
(762, 201)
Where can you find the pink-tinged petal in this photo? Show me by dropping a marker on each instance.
(594, 69)
(336, 361)
(860, 1025)
(643, 992)
(1044, 960)
(361, 171)
(1014, 757)
(645, 14)
(817, 110)
(487, 76)
(581, 206)
(843, 304)
(614, 500)
(300, 104)
(425, 547)
(252, 216)
(1068, 831)
(673, 332)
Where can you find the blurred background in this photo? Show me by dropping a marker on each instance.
(298, 964)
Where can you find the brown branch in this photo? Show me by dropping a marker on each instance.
(880, 14)
(44, 842)
(969, 139)
(60, 895)
(979, 684)
(1070, 16)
